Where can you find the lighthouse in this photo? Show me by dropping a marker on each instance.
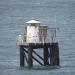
(38, 36)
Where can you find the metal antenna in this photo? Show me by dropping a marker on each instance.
(55, 20)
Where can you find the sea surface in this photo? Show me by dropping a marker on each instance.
(58, 13)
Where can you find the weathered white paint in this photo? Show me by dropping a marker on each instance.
(32, 34)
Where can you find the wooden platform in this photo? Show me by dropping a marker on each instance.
(50, 54)
(38, 45)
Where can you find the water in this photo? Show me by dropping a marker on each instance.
(14, 14)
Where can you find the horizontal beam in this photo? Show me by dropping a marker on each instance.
(38, 45)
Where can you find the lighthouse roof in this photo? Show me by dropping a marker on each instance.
(33, 21)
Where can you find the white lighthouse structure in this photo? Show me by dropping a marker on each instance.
(38, 36)
(32, 31)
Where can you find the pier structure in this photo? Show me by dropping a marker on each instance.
(39, 38)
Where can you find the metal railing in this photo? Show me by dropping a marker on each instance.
(50, 37)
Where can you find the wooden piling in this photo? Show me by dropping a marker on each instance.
(54, 54)
(21, 56)
(46, 62)
(30, 62)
